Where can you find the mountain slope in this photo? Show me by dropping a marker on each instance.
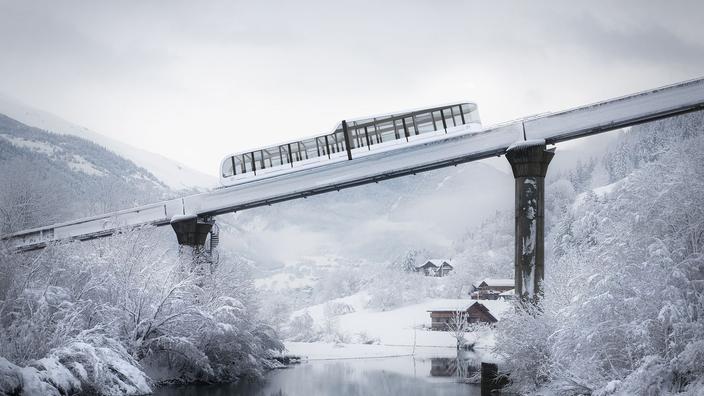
(173, 174)
(47, 177)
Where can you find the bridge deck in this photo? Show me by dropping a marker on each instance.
(493, 141)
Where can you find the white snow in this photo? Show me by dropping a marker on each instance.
(601, 191)
(282, 281)
(182, 217)
(80, 164)
(40, 147)
(503, 282)
(76, 162)
(616, 112)
(520, 144)
(438, 262)
(404, 325)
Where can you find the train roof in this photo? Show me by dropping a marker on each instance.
(349, 120)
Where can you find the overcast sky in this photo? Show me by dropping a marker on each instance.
(196, 80)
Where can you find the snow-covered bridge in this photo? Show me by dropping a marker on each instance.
(493, 141)
(519, 136)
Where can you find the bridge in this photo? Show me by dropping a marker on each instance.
(523, 141)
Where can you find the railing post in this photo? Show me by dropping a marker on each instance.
(405, 128)
(346, 134)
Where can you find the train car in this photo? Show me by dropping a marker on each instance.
(352, 139)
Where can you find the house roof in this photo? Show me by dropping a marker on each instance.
(497, 282)
(439, 262)
(466, 307)
(497, 308)
(427, 264)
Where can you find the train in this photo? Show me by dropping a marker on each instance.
(351, 139)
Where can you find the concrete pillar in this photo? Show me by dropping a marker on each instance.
(192, 233)
(529, 161)
(191, 230)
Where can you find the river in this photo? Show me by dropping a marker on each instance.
(406, 375)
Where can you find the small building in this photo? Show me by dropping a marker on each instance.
(476, 313)
(491, 288)
(428, 269)
(435, 267)
(444, 269)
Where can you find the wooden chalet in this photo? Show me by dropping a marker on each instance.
(435, 267)
(476, 313)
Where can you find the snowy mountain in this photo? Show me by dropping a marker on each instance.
(172, 173)
(48, 177)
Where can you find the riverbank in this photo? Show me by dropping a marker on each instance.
(354, 375)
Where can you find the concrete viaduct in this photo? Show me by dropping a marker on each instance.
(524, 143)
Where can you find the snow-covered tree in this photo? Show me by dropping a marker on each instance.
(624, 291)
(128, 301)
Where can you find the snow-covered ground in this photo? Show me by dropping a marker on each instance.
(402, 327)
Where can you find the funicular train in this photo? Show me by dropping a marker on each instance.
(352, 139)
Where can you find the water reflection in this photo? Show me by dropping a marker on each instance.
(462, 367)
(387, 376)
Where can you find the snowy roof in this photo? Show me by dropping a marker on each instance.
(426, 264)
(439, 262)
(522, 144)
(497, 308)
(508, 292)
(497, 282)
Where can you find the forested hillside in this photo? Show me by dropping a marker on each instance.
(48, 178)
(624, 288)
(117, 315)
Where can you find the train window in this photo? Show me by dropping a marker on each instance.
(238, 165)
(376, 135)
(447, 116)
(340, 140)
(466, 112)
(273, 157)
(409, 125)
(321, 146)
(457, 115)
(451, 113)
(268, 159)
(228, 168)
(424, 121)
(397, 134)
(470, 112)
(284, 154)
(366, 138)
(355, 137)
(247, 163)
(310, 147)
(332, 143)
(387, 131)
(258, 160)
(437, 121)
(363, 132)
(302, 154)
(295, 151)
